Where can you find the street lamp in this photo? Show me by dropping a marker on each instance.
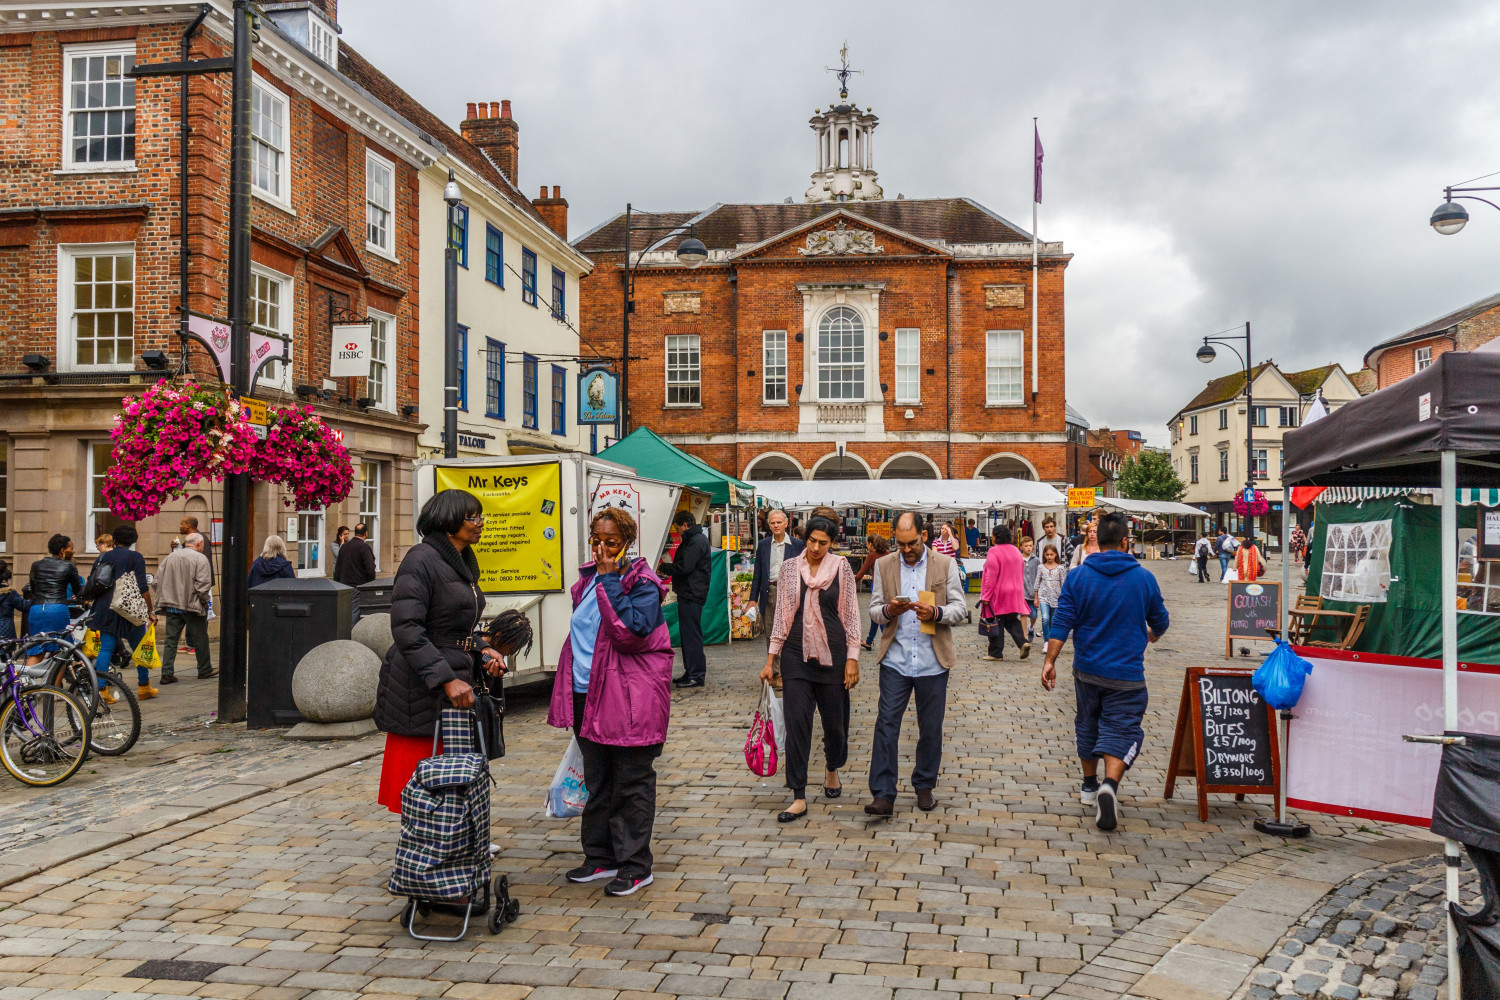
(690, 253)
(1206, 354)
(453, 196)
(1450, 217)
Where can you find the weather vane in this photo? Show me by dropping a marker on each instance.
(843, 72)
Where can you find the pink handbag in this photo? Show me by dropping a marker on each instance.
(760, 745)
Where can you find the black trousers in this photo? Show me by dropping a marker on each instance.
(690, 630)
(1010, 623)
(799, 698)
(621, 809)
(1203, 568)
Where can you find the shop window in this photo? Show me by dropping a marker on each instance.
(1357, 562)
(310, 543)
(369, 503)
(101, 520)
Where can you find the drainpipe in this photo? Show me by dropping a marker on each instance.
(182, 198)
(952, 273)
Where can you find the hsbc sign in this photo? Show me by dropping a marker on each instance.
(351, 351)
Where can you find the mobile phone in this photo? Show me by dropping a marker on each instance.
(907, 599)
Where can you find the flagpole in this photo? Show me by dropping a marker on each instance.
(1035, 288)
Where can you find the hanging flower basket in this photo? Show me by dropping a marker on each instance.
(179, 433)
(1260, 505)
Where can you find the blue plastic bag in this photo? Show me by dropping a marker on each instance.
(1280, 678)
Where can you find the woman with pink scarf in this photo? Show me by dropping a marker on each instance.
(815, 629)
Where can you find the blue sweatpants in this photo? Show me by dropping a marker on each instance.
(1109, 721)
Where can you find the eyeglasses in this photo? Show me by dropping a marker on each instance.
(911, 546)
(477, 522)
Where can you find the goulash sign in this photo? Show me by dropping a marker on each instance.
(521, 549)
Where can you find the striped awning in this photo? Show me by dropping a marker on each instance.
(1358, 494)
(1471, 497)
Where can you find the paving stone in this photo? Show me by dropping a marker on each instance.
(1307, 984)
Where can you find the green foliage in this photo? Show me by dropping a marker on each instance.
(1150, 477)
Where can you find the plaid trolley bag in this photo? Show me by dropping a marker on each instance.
(443, 854)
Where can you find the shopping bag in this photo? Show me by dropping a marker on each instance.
(761, 754)
(91, 643)
(1280, 678)
(567, 794)
(778, 721)
(1231, 575)
(145, 655)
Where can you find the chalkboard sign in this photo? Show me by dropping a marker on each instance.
(1253, 608)
(1225, 738)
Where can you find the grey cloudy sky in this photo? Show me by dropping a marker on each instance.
(1206, 165)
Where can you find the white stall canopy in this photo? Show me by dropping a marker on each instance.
(1150, 508)
(925, 495)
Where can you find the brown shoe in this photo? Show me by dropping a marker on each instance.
(145, 691)
(925, 800)
(880, 807)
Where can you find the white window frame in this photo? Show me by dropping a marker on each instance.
(912, 338)
(1193, 425)
(993, 394)
(1291, 416)
(1421, 358)
(320, 565)
(92, 519)
(1223, 465)
(1193, 468)
(67, 327)
(1260, 463)
(283, 380)
(368, 493)
(282, 196)
(106, 49)
(1224, 418)
(773, 357)
(375, 161)
(676, 344)
(860, 344)
(322, 41)
(6, 454)
(386, 400)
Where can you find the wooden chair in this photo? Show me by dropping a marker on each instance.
(1300, 629)
(1350, 633)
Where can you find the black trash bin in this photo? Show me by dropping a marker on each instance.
(288, 618)
(375, 596)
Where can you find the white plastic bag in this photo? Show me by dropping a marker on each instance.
(778, 721)
(567, 794)
(1231, 574)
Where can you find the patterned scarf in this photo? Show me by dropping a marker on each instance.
(814, 635)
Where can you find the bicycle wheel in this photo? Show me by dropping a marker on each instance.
(70, 670)
(44, 736)
(116, 723)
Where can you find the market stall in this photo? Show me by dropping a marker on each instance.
(1166, 522)
(1441, 428)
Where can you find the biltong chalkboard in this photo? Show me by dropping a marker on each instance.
(1253, 608)
(1225, 738)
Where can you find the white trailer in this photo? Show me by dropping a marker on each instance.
(531, 551)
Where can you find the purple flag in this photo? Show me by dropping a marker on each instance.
(1037, 178)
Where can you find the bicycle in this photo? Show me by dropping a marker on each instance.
(44, 731)
(114, 711)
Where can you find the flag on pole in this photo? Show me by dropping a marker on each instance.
(1304, 495)
(1037, 176)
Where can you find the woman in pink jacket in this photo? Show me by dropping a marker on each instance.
(613, 689)
(1002, 593)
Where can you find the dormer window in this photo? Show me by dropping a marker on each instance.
(303, 21)
(323, 41)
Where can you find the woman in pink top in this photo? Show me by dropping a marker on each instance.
(1002, 593)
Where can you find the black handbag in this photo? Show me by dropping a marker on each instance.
(989, 625)
(489, 717)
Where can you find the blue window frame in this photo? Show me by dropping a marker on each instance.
(458, 232)
(494, 256)
(559, 294)
(463, 367)
(559, 399)
(528, 392)
(494, 379)
(528, 277)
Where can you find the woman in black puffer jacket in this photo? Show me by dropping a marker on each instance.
(435, 606)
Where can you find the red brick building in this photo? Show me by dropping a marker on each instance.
(90, 255)
(849, 336)
(1405, 354)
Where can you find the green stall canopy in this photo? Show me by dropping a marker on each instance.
(654, 458)
(715, 609)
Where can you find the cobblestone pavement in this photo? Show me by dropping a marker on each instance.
(1005, 890)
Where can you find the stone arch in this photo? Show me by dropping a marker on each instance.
(1006, 465)
(774, 466)
(909, 465)
(851, 466)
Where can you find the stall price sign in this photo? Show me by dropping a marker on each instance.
(1253, 608)
(521, 548)
(1225, 738)
(1080, 497)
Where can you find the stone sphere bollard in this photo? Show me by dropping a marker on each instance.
(374, 632)
(336, 682)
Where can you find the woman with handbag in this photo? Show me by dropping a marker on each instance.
(1002, 596)
(123, 606)
(613, 689)
(52, 583)
(813, 631)
(435, 605)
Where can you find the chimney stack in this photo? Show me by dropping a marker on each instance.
(553, 210)
(490, 127)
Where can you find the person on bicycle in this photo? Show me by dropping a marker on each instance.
(54, 582)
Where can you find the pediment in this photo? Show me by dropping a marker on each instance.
(335, 246)
(840, 234)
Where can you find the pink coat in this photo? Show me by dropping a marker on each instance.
(630, 684)
(1003, 585)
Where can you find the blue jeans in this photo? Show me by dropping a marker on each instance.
(1045, 618)
(1223, 566)
(932, 700)
(874, 631)
(111, 646)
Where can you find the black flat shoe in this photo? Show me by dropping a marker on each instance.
(832, 793)
(790, 817)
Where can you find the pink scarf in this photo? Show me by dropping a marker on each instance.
(814, 635)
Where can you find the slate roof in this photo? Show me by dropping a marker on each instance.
(725, 227)
(359, 69)
(1437, 326)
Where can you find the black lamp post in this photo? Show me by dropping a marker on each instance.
(1450, 217)
(1206, 354)
(453, 196)
(690, 253)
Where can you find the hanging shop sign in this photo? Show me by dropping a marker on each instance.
(598, 396)
(521, 548)
(1080, 497)
(351, 351)
(214, 335)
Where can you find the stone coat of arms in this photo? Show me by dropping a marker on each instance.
(840, 240)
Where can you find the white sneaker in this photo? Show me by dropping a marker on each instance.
(494, 849)
(1106, 809)
(1088, 794)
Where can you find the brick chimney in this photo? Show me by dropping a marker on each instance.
(553, 209)
(491, 128)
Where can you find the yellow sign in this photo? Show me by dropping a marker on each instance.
(881, 528)
(1081, 497)
(521, 549)
(255, 410)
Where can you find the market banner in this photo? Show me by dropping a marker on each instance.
(521, 549)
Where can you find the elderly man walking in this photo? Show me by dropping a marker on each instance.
(184, 581)
(916, 652)
(770, 553)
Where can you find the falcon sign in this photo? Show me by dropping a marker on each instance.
(351, 351)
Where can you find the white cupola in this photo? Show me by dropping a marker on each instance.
(846, 161)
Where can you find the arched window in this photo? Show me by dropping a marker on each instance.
(841, 355)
